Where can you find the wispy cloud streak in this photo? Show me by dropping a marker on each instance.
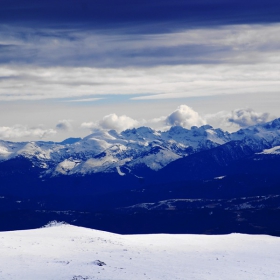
(164, 82)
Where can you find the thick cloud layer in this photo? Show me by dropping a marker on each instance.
(184, 116)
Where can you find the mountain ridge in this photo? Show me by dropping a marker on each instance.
(109, 151)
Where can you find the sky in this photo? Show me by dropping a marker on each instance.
(70, 67)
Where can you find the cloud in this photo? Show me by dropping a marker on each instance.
(112, 122)
(247, 117)
(64, 125)
(20, 131)
(184, 116)
(88, 48)
(118, 123)
(237, 118)
(89, 125)
(163, 82)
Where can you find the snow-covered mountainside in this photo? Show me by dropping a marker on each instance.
(65, 252)
(109, 151)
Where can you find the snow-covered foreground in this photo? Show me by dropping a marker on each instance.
(74, 253)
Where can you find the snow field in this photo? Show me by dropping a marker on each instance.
(65, 252)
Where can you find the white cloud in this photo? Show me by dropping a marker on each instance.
(20, 131)
(118, 123)
(185, 116)
(247, 117)
(112, 121)
(65, 125)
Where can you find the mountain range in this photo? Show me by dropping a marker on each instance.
(109, 151)
(116, 181)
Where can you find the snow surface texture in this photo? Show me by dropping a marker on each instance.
(108, 151)
(65, 252)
